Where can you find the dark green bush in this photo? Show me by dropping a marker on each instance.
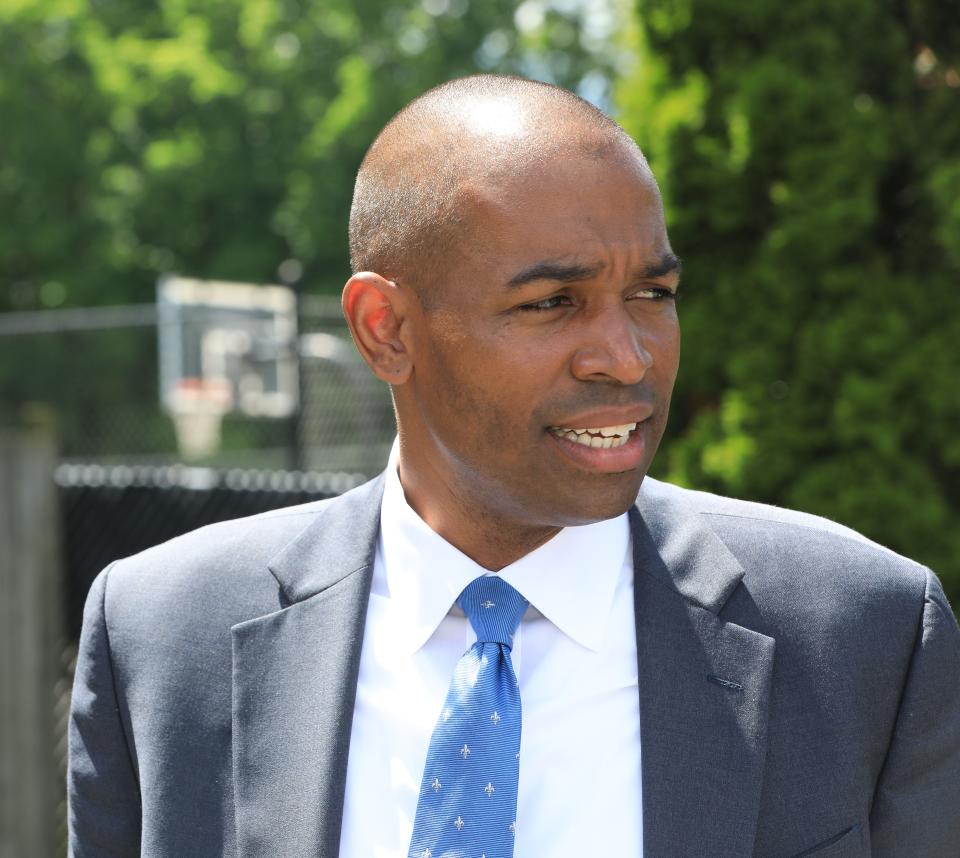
(809, 155)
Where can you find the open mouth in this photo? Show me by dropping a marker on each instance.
(601, 437)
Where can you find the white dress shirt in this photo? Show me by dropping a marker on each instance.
(575, 656)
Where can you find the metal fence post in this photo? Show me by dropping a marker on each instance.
(30, 645)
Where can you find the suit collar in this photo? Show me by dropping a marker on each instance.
(673, 544)
(340, 541)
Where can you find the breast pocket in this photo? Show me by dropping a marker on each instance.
(845, 844)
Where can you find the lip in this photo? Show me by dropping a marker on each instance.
(606, 417)
(612, 460)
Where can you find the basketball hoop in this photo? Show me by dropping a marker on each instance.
(197, 406)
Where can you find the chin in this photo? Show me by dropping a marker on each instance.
(598, 503)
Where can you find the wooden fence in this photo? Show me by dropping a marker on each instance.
(31, 648)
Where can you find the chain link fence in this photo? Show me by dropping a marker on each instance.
(108, 512)
(91, 377)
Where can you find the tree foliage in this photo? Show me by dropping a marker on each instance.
(809, 155)
(217, 139)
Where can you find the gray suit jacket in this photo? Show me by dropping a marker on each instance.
(800, 687)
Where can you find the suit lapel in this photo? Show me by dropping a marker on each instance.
(294, 685)
(704, 687)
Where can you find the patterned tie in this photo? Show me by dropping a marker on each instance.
(468, 800)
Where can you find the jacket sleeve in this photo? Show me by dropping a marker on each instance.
(103, 796)
(916, 807)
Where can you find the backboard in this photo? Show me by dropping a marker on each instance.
(224, 348)
(236, 337)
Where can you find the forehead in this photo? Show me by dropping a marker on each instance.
(602, 209)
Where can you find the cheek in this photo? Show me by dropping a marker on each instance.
(672, 357)
(443, 356)
(445, 330)
(487, 386)
(488, 398)
(459, 383)
(664, 342)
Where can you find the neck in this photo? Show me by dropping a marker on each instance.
(486, 536)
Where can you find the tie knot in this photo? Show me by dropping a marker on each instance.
(494, 609)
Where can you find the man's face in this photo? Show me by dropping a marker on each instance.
(555, 315)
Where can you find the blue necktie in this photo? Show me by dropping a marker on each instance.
(468, 799)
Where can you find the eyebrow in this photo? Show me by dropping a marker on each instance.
(669, 264)
(571, 273)
(548, 270)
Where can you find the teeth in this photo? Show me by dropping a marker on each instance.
(600, 437)
(610, 431)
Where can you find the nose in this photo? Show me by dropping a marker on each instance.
(613, 350)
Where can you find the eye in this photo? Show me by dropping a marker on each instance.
(656, 293)
(551, 303)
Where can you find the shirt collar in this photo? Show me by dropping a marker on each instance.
(571, 579)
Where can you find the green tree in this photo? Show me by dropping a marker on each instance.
(215, 138)
(808, 154)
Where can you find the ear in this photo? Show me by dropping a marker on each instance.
(374, 309)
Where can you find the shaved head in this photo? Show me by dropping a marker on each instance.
(411, 204)
(514, 281)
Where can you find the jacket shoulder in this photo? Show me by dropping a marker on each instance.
(800, 567)
(751, 529)
(220, 572)
(821, 590)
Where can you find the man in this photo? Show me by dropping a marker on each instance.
(698, 676)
